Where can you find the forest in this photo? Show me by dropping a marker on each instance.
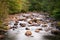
(12, 7)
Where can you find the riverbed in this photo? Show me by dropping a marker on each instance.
(18, 33)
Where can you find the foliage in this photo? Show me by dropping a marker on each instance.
(56, 14)
(11, 7)
(58, 23)
(35, 5)
(16, 6)
(50, 6)
(3, 12)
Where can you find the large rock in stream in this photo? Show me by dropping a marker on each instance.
(28, 33)
(22, 24)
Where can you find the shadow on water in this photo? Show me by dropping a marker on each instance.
(50, 37)
(46, 37)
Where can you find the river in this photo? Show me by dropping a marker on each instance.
(19, 32)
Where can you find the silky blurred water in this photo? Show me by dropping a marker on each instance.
(19, 33)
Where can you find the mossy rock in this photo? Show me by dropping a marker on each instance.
(4, 28)
(58, 23)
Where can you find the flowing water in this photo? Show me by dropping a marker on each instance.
(19, 32)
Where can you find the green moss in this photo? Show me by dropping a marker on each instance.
(58, 24)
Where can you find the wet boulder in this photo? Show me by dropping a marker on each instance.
(14, 18)
(22, 24)
(2, 36)
(26, 15)
(16, 24)
(44, 22)
(30, 22)
(16, 21)
(39, 22)
(5, 24)
(2, 33)
(58, 25)
(38, 30)
(48, 29)
(48, 21)
(33, 21)
(14, 27)
(22, 19)
(44, 25)
(35, 24)
(52, 25)
(56, 32)
(28, 33)
(27, 28)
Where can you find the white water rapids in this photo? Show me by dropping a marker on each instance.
(19, 32)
